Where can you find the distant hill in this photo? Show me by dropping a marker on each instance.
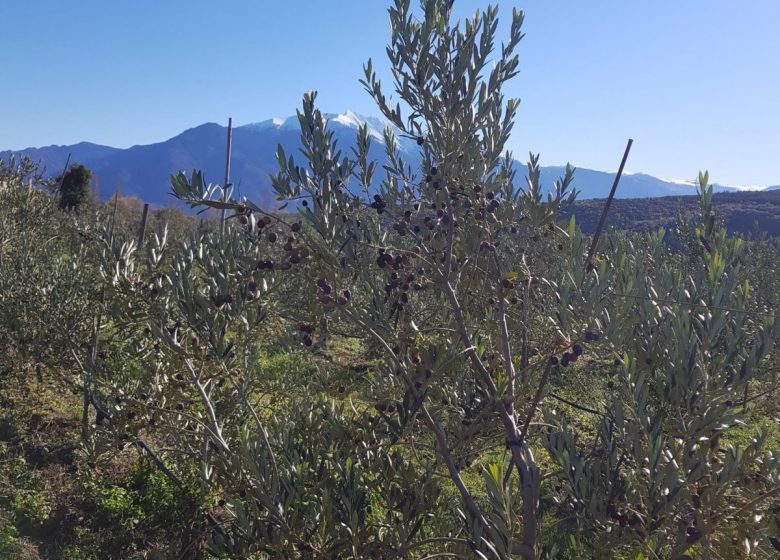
(743, 212)
(52, 160)
(144, 171)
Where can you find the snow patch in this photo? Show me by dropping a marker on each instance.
(353, 120)
(745, 188)
(276, 122)
(752, 188)
(349, 119)
(685, 182)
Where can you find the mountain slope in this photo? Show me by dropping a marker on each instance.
(144, 171)
(744, 212)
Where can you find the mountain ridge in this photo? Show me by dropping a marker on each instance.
(144, 170)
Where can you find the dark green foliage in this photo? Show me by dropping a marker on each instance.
(74, 188)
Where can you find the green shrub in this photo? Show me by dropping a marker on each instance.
(119, 505)
(75, 552)
(31, 508)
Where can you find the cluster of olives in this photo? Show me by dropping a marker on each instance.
(243, 218)
(402, 226)
(306, 331)
(571, 357)
(263, 222)
(485, 208)
(430, 177)
(622, 518)
(378, 204)
(222, 299)
(344, 297)
(295, 255)
(577, 350)
(399, 282)
(487, 247)
(591, 336)
(432, 221)
(484, 204)
(325, 290)
(386, 258)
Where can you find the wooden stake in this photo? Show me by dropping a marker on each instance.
(226, 187)
(604, 212)
(89, 374)
(142, 230)
(64, 170)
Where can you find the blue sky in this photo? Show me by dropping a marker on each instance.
(696, 83)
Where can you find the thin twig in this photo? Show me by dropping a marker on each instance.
(575, 405)
(537, 398)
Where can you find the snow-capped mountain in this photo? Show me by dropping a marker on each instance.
(144, 171)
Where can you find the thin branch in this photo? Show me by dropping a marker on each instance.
(506, 347)
(529, 475)
(216, 430)
(755, 501)
(759, 395)
(468, 499)
(575, 405)
(537, 398)
(264, 433)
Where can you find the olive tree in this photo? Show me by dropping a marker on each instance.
(470, 295)
(45, 287)
(445, 229)
(277, 459)
(664, 470)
